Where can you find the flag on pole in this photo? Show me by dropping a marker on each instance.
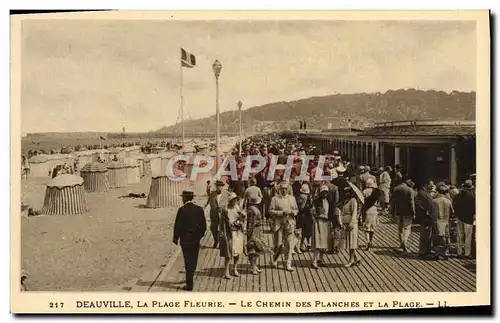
(187, 59)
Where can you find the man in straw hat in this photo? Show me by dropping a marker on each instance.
(283, 210)
(190, 226)
(217, 200)
(444, 212)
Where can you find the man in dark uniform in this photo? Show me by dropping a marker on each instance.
(190, 226)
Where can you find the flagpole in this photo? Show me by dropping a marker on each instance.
(182, 107)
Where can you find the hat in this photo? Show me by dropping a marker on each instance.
(442, 188)
(370, 183)
(367, 168)
(283, 184)
(305, 189)
(340, 169)
(323, 188)
(468, 184)
(187, 193)
(361, 168)
(219, 183)
(232, 196)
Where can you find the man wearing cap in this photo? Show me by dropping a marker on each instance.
(465, 208)
(217, 200)
(283, 210)
(190, 226)
(444, 212)
(403, 209)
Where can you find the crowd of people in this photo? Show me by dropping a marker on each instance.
(322, 216)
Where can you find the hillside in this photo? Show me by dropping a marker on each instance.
(362, 108)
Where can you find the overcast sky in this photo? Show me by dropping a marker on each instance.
(94, 75)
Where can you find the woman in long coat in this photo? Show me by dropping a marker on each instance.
(321, 227)
(350, 218)
(304, 218)
(232, 236)
(255, 241)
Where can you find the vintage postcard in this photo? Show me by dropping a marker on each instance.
(250, 162)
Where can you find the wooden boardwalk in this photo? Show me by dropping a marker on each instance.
(383, 269)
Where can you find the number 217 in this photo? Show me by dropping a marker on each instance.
(56, 305)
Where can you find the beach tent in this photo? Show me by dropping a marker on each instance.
(140, 162)
(133, 172)
(84, 157)
(117, 174)
(40, 166)
(146, 166)
(155, 164)
(65, 195)
(165, 192)
(133, 151)
(165, 158)
(95, 177)
(121, 152)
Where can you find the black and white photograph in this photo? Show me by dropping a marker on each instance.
(189, 155)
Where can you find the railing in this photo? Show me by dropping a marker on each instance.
(174, 135)
(465, 123)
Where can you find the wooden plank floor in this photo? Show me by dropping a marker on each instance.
(382, 269)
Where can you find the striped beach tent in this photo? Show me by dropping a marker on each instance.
(84, 157)
(146, 165)
(95, 177)
(40, 166)
(165, 158)
(164, 192)
(140, 162)
(65, 195)
(133, 172)
(155, 164)
(117, 174)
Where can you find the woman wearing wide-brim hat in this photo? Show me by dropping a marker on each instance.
(321, 227)
(304, 222)
(370, 210)
(256, 244)
(350, 218)
(232, 235)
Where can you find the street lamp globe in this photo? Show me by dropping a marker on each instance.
(216, 67)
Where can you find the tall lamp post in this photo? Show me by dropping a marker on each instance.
(240, 104)
(217, 67)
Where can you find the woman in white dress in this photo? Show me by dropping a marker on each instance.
(232, 235)
(321, 227)
(369, 210)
